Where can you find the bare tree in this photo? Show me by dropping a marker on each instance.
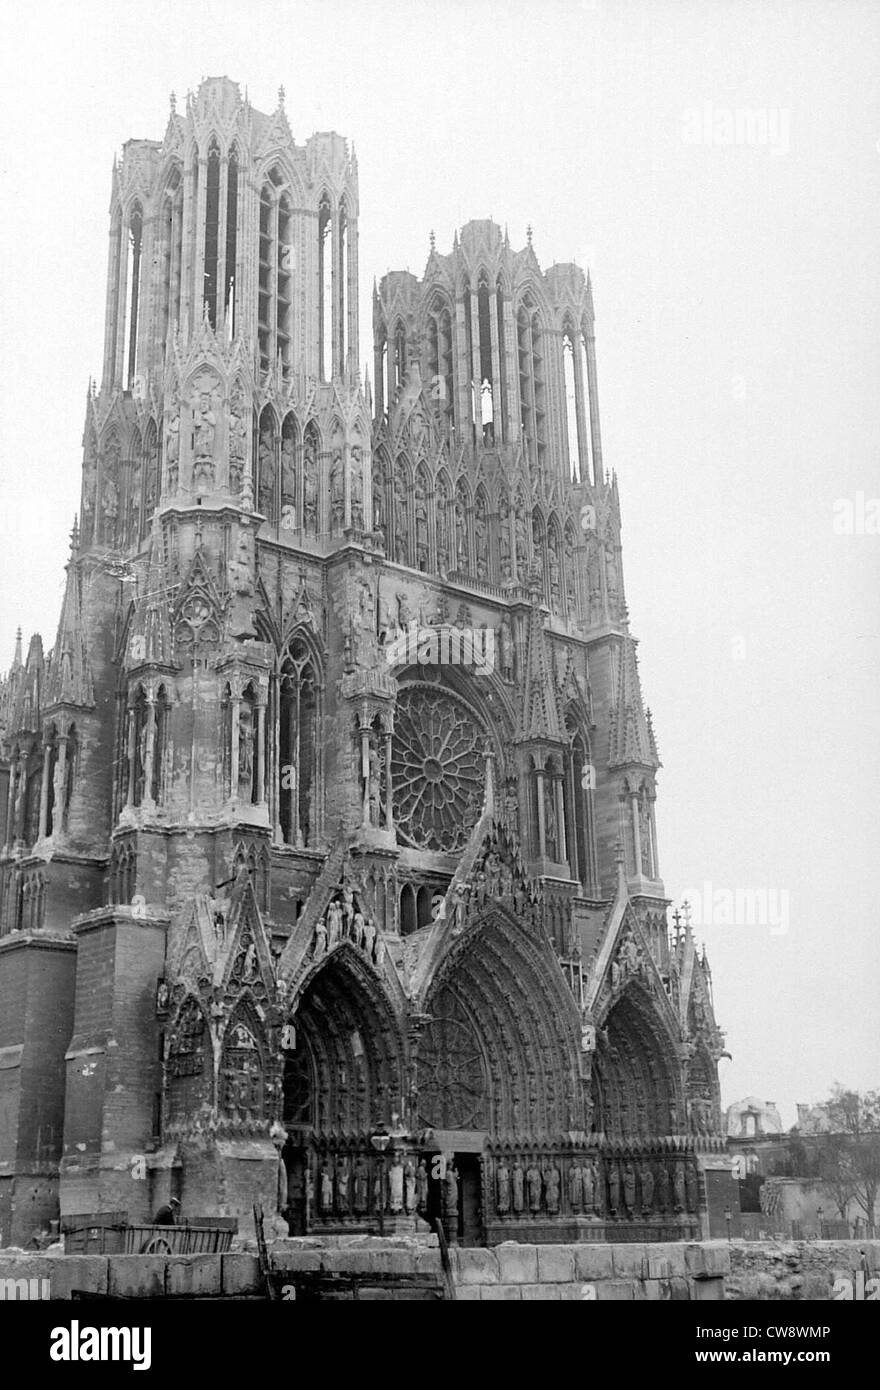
(850, 1150)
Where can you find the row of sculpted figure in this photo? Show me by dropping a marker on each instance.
(358, 1186)
(618, 1189)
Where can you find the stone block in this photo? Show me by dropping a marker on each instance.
(540, 1293)
(241, 1274)
(379, 1295)
(137, 1276)
(87, 1272)
(428, 1261)
(555, 1264)
(679, 1289)
(593, 1262)
(571, 1293)
(614, 1291)
(711, 1258)
(708, 1290)
(517, 1264)
(628, 1261)
(468, 1293)
(501, 1293)
(194, 1276)
(296, 1261)
(474, 1266)
(664, 1261)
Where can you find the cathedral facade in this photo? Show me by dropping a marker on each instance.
(329, 871)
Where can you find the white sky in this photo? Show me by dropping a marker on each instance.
(737, 295)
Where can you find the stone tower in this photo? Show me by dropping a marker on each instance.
(330, 815)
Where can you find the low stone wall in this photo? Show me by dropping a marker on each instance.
(507, 1272)
(235, 1275)
(799, 1270)
(655, 1272)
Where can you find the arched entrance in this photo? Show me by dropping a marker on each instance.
(636, 1078)
(343, 1077)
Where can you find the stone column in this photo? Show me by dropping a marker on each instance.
(365, 773)
(10, 803)
(199, 244)
(132, 755)
(637, 835)
(261, 754)
(389, 806)
(498, 422)
(542, 828)
(149, 752)
(44, 790)
(562, 839)
(220, 288)
(655, 857)
(590, 343)
(60, 783)
(511, 369)
(476, 365)
(235, 710)
(580, 410)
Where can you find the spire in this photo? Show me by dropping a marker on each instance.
(16, 660)
(432, 241)
(540, 717)
(69, 679)
(172, 102)
(631, 738)
(281, 95)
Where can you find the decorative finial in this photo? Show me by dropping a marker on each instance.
(529, 234)
(172, 102)
(686, 913)
(281, 95)
(433, 240)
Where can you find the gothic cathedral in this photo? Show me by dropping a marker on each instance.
(329, 871)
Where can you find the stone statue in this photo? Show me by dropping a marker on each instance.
(337, 505)
(357, 489)
(334, 925)
(451, 1192)
(506, 649)
(629, 1186)
(502, 1186)
(613, 1187)
(646, 1177)
(516, 1182)
(552, 1178)
(662, 1187)
(534, 1184)
(395, 1184)
(342, 1187)
(576, 1186)
(422, 1186)
(691, 1187)
(368, 938)
(325, 1190)
(357, 929)
(361, 1186)
(320, 938)
(409, 1187)
(678, 1187)
(245, 748)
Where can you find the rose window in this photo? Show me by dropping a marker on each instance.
(437, 769)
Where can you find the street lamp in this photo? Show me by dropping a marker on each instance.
(728, 1217)
(380, 1141)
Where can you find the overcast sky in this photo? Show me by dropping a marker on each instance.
(737, 293)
